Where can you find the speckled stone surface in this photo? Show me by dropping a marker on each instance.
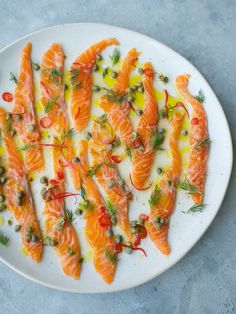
(205, 33)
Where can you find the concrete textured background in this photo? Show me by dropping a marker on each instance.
(205, 33)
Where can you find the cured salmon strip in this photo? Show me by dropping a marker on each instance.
(104, 256)
(108, 173)
(82, 81)
(25, 122)
(142, 161)
(162, 201)
(198, 139)
(52, 99)
(118, 113)
(18, 195)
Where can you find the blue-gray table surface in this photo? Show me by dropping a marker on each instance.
(204, 32)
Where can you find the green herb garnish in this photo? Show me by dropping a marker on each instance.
(4, 240)
(157, 140)
(113, 96)
(187, 186)
(194, 209)
(83, 192)
(74, 78)
(56, 75)
(202, 142)
(105, 72)
(66, 134)
(93, 170)
(200, 97)
(112, 210)
(13, 78)
(155, 196)
(115, 57)
(128, 152)
(85, 205)
(50, 103)
(112, 257)
(69, 216)
(26, 147)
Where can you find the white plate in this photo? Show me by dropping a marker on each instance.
(185, 230)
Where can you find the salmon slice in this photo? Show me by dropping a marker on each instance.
(162, 201)
(118, 113)
(142, 161)
(108, 172)
(101, 244)
(198, 139)
(52, 99)
(82, 81)
(26, 123)
(17, 182)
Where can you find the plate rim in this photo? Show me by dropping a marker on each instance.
(231, 157)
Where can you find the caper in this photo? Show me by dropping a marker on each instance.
(19, 201)
(96, 88)
(133, 230)
(3, 180)
(31, 127)
(159, 170)
(3, 207)
(2, 198)
(114, 74)
(162, 130)
(18, 117)
(9, 222)
(109, 233)
(139, 112)
(121, 182)
(129, 90)
(59, 227)
(44, 180)
(95, 67)
(20, 194)
(140, 89)
(185, 132)
(118, 238)
(17, 228)
(27, 237)
(88, 135)
(134, 135)
(141, 148)
(66, 87)
(29, 229)
(78, 212)
(140, 71)
(128, 250)
(114, 220)
(2, 170)
(162, 114)
(43, 191)
(36, 66)
(98, 57)
(53, 242)
(130, 99)
(76, 159)
(12, 132)
(169, 182)
(111, 183)
(35, 238)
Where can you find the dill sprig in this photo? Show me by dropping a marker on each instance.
(13, 78)
(115, 57)
(128, 152)
(26, 147)
(105, 72)
(194, 209)
(86, 205)
(4, 240)
(200, 96)
(69, 215)
(56, 75)
(66, 134)
(94, 169)
(155, 196)
(202, 142)
(111, 209)
(187, 186)
(74, 78)
(83, 192)
(112, 257)
(50, 103)
(157, 140)
(101, 120)
(113, 96)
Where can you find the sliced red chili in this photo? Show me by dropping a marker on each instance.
(143, 217)
(166, 103)
(118, 247)
(45, 122)
(116, 159)
(142, 231)
(103, 209)
(194, 121)
(60, 175)
(135, 248)
(54, 182)
(104, 220)
(136, 143)
(137, 240)
(8, 97)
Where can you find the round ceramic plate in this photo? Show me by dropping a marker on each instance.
(185, 230)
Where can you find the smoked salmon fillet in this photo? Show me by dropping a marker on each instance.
(52, 99)
(108, 172)
(102, 245)
(142, 161)
(162, 200)
(82, 81)
(198, 139)
(118, 113)
(18, 194)
(25, 121)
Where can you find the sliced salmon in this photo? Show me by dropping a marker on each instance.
(52, 99)
(142, 161)
(100, 243)
(82, 81)
(17, 182)
(108, 172)
(118, 113)
(198, 139)
(162, 200)
(26, 123)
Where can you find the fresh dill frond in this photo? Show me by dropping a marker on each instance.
(200, 96)
(155, 196)
(4, 240)
(202, 142)
(187, 186)
(194, 209)
(50, 103)
(13, 78)
(69, 215)
(115, 57)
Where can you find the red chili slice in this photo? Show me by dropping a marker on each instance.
(143, 217)
(194, 121)
(53, 182)
(104, 220)
(103, 209)
(118, 247)
(142, 231)
(45, 122)
(149, 72)
(116, 159)
(60, 175)
(134, 248)
(8, 97)
(137, 240)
